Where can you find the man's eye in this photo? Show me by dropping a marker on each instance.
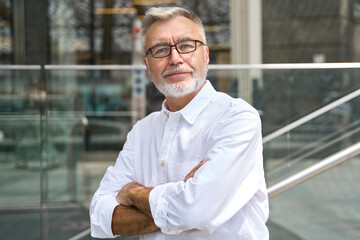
(160, 50)
(185, 47)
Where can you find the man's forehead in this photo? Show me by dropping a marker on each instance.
(172, 30)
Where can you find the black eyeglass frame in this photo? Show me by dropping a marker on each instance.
(175, 45)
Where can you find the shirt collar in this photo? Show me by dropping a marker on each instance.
(193, 109)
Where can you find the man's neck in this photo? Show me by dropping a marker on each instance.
(174, 104)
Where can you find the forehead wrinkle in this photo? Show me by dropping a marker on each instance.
(180, 39)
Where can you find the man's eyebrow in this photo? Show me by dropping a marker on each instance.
(160, 44)
(183, 39)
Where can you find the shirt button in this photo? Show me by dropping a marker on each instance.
(162, 163)
(171, 129)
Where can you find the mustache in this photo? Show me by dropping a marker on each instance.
(175, 70)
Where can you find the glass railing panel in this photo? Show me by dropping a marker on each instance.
(325, 207)
(312, 141)
(21, 159)
(20, 136)
(289, 94)
(89, 113)
(102, 96)
(284, 93)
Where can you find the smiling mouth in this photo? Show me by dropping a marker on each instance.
(176, 72)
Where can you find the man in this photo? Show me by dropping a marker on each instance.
(193, 170)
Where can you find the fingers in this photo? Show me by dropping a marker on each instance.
(202, 162)
(193, 171)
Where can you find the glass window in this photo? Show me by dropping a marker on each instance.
(101, 31)
(6, 48)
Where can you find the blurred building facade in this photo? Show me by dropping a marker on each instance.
(100, 31)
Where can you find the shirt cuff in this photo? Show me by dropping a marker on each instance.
(101, 216)
(159, 205)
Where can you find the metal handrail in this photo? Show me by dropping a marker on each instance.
(289, 66)
(95, 67)
(20, 67)
(311, 116)
(314, 170)
(284, 66)
(280, 66)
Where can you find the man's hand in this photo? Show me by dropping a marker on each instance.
(193, 171)
(123, 196)
(135, 195)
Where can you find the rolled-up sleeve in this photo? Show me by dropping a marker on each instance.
(101, 211)
(104, 201)
(220, 189)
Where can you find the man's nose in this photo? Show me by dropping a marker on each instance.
(175, 57)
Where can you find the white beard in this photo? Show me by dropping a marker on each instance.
(180, 89)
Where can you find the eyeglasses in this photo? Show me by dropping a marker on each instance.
(183, 47)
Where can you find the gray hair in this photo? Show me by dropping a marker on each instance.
(155, 14)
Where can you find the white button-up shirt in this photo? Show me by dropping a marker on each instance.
(227, 197)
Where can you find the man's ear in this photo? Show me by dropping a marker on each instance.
(147, 67)
(207, 56)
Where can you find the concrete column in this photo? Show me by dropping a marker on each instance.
(18, 31)
(246, 42)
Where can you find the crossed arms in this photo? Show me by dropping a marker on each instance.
(133, 215)
(223, 186)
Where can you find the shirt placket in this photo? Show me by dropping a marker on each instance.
(169, 134)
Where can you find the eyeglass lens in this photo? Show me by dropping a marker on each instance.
(181, 47)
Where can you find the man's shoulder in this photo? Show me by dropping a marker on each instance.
(229, 103)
